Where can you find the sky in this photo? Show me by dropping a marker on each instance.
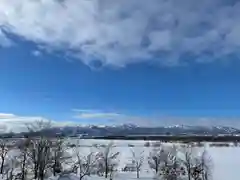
(110, 61)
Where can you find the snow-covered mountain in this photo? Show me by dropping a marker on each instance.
(131, 129)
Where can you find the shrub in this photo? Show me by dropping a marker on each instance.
(147, 144)
(235, 143)
(130, 145)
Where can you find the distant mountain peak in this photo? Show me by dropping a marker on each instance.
(132, 129)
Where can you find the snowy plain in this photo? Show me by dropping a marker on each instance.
(226, 160)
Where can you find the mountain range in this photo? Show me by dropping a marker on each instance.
(134, 130)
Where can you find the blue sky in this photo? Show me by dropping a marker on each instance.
(50, 86)
(125, 65)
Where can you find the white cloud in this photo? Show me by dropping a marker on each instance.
(6, 115)
(99, 117)
(17, 123)
(95, 114)
(160, 40)
(123, 32)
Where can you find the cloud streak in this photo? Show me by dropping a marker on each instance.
(117, 33)
(18, 123)
(95, 114)
(92, 116)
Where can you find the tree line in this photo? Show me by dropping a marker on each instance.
(43, 157)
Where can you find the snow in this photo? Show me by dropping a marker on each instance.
(226, 160)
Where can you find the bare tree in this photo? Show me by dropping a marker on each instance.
(83, 164)
(188, 160)
(39, 149)
(206, 165)
(197, 167)
(59, 156)
(38, 126)
(156, 157)
(34, 155)
(9, 167)
(108, 159)
(171, 168)
(23, 159)
(172, 163)
(137, 160)
(44, 156)
(3, 153)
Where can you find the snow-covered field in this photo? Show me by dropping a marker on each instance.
(226, 160)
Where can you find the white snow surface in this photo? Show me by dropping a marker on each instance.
(226, 160)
